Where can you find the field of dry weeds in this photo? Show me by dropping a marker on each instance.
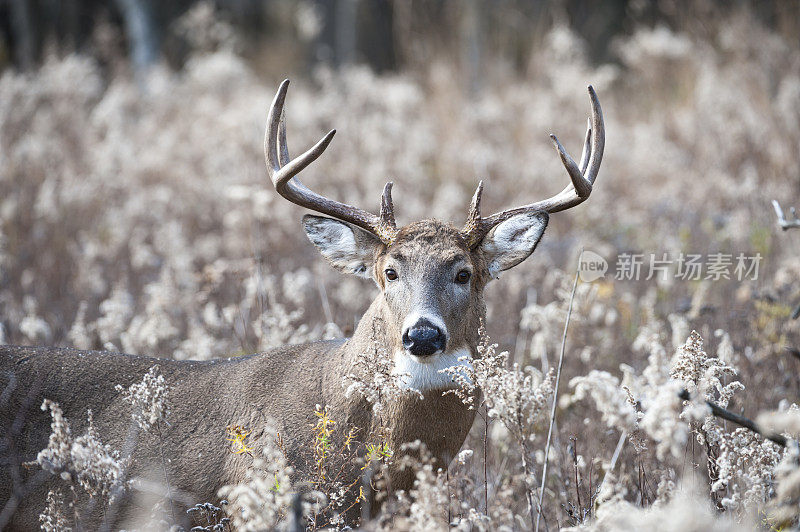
(138, 217)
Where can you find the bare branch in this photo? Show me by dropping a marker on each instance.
(739, 420)
(783, 222)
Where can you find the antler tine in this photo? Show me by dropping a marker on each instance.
(598, 137)
(283, 169)
(582, 176)
(283, 147)
(587, 146)
(474, 216)
(387, 207)
(582, 186)
(271, 139)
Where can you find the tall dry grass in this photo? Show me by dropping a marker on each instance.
(138, 217)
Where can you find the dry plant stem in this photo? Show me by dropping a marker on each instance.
(623, 435)
(577, 490)
(485, 452)
(555, 395)
(527, 470)
(164, 467)
(449, 497)
(323, 296)
(11, 457)
(366, 485)
(739, 420)
(130, 444)
(617, 450)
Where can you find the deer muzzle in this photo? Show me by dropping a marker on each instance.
(424, 339)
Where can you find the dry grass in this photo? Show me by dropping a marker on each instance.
(139, 218)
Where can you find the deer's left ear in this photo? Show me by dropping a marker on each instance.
(348, 248)
(513, 241)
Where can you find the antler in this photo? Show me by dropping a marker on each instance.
(582, 180)
(283, 169)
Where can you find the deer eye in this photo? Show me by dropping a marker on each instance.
(463, 277)
(391, 274)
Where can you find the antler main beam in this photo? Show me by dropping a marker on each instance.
(283, 169)
(583, 177)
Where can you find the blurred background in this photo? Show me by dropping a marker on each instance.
(136, 213)
(292, 37)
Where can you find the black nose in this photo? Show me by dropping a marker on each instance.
(424, 339)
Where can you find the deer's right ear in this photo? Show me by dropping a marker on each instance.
(348, 248)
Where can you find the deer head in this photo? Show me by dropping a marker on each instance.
(431, 274)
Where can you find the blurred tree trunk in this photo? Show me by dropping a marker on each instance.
(376, 34)
(357, 31)
(23, 32)
(142, 32)
(472, 42)
(346, 31)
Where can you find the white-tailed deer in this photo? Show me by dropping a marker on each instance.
(431, 277)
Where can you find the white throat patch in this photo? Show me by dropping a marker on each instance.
(424, 374)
